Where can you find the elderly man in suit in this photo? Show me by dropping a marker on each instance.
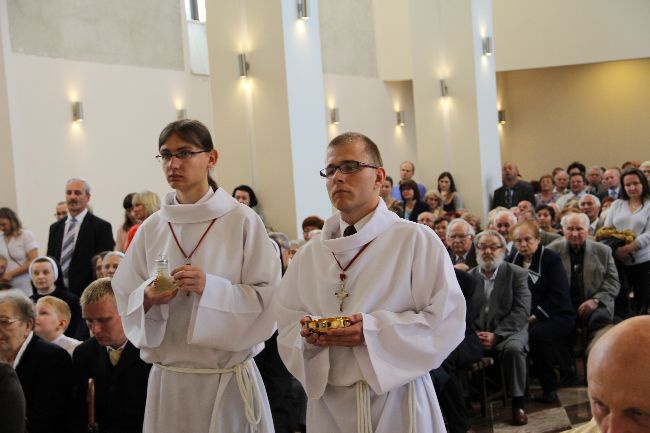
(114, 364)
(591, 272)
(74, 240)
(460, 236)
(500, 312)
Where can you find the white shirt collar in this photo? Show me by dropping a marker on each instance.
(79, 218)
(23, 348)
(203, 199)
(358, 225)
(110, 349)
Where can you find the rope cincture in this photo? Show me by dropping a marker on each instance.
(364, 414)
(246, 383)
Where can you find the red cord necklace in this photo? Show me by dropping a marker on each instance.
(341, 294)
(188, 259)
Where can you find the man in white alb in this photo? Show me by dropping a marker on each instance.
(395, 282)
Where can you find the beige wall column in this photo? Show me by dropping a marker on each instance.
(8, 184)
(457, 132)
(270, 127)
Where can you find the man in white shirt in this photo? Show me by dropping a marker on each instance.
(394, 281)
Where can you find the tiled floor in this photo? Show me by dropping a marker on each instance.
(572, 411)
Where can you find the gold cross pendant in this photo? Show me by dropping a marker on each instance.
(341, 294)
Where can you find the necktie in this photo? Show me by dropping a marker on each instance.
(509, 194)
(67, 248)
(349, 231)
(612, 193)
(460, 259)
(114, 355)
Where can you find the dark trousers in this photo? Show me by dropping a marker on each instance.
(549, 345)
(638, 277)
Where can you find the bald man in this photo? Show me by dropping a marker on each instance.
(619, 381)
(513, 190)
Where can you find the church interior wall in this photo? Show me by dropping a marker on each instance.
(130, 90)
(596, 114)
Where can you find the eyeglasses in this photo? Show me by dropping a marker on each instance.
(5, 321)
(457, 237)
(181, 154)
(488, 247)
(346, 167)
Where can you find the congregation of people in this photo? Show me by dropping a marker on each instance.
(558, 262)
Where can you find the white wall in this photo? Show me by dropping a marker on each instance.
(393, 39)
(125, 109)
(535, 34)
(368, 106)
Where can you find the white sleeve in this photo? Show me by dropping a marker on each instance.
(403, 346)
(130, 279)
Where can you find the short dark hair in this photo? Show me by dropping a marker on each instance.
(313, 221)
(390, 180)
(251, 194)
(576, 164)
(371, 148)
(645, 189)
(190, 131)
(452, 184)
(547, 208)
(412, 185)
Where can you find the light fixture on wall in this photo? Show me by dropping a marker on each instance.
(181, 114)
(244, 66)
(334, 116)
(444, 90)
(502, 117)
(78, 111)
(487, 46)
(303, 12)
(400, 118)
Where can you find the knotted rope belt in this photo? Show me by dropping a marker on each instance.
(364, 414)
(245, 382)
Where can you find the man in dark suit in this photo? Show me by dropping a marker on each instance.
(500, 312)
(460, 237)
(74, 240)
(113, 362)
(513, 190)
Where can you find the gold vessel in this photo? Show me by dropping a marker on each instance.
(322, 326)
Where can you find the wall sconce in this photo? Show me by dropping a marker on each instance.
(78, 111)
(444, 90)
(303, 13)
(502, 117)
(181, 114)
(244, 66)
(400, 118)
(487, 46)
(334, 116)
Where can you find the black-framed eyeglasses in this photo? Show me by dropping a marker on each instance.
(181, 154)
(346, 167)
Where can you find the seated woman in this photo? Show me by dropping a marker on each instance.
(545, 217)
(145, 204)
(434, 200)
(632, 212)
(384, 192)
(110, 263)
(44, 272)
(451, 201)
(552, 317)
(546, 194)
(44, 369)
(411, 201)
(244, 194)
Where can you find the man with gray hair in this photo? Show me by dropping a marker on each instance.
(591, 272)
(590, 206)
(595, 180)
(500, 312)
(74, 240)
(460, 237)
(502, 223)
